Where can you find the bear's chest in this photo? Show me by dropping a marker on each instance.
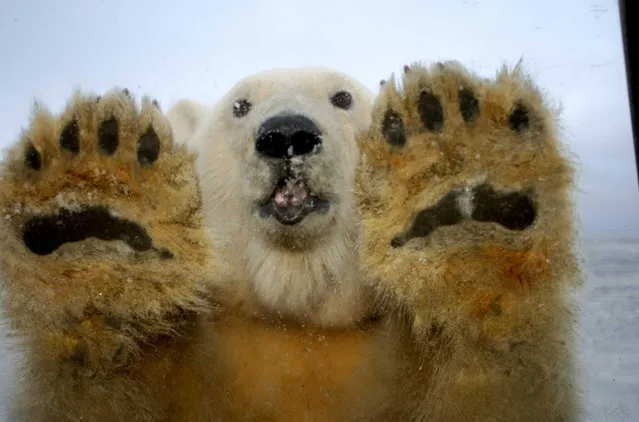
(274, 372)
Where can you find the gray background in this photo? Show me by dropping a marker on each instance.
(198, 49)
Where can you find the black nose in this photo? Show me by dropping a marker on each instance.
(288, 135)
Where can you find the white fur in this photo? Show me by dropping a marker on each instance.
(307, 271)
(185, 116)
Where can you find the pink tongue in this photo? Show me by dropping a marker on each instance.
(290, 196)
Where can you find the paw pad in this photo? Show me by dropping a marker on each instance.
(519, 119)
(445, 213)
(512, 210)
(70, 137)
(393, 129)
(430, 111)
(468, 105)
(44, 234)
(108, 136)
(32, 158)
(148, 147)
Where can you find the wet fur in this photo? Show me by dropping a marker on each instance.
(336, 321)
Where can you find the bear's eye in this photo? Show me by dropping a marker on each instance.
(241, 107)
(342, 99)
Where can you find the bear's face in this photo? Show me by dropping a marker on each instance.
(293, 135)
(276, 163)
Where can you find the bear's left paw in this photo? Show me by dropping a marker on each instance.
(464, 196)
(102, 242)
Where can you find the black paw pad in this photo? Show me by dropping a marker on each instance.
(515, 211)
(519, 119)
(108, 136)
(148, 147)
(70, 137)
(393, 129)
(44, 234)
(32, 158)
(468, 105)
(430, 111)
(445, 213)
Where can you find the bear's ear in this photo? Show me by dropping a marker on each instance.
(185, 117)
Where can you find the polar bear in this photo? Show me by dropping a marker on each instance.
(302, 250)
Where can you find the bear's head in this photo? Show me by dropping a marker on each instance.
(277, 161)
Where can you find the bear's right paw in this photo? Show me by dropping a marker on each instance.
(101, 232)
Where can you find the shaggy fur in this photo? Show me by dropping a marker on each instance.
(435, 287)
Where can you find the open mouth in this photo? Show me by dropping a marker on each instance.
(44, 234)
(291, 201)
